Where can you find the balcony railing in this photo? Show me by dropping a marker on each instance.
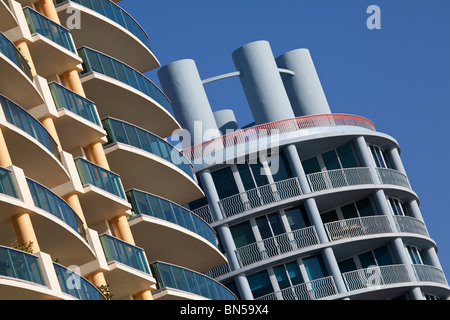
(313, 290)
(277, 245)
(42, 25)
(51, 203)
(339, 178)
(112, 11)
(429, 274)
(411, 225)
(93, 174)
(151, 205)
(95, 61)
(390, 176)
(125, 253)
(171, 276)
(20, 118)
(205, 213)
(75, 285)
(356, 227)
(6, 183)
(260, 196)
(67, 99)
(275, 128)
(12, 53)
(20, 265)
(123, 132)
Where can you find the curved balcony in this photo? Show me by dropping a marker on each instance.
(104, 25)
(52, 46)
(104, 197)
(170, 232)
(136, 99)
(21, 276)
(174, 282)
(7, 19)
(76, 114)
(16, 80)
(75, 285)
(129, 272)
(267, 130)
(322, 288)
(152, 156)
(26, 136)
(56, 235)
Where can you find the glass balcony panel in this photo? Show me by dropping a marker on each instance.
(90, 173)
(171, 276)
(98, 62)
(123, 132)
(13, 54)
(75, 285)
(151, 205)
(40, 24)
(67, 99)
(120, 251)
(23, 120)
(20, 265)
(6, 183)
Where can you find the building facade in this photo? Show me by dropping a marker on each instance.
(307, 204)
(91, 197)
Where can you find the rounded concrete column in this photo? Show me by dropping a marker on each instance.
(304, 88)
(5, 158)
(97, 155)
(25, 231)
(262, 84)
(122, 229)
(48, 9)
(22, 45)
(182, 84)
(73, 82)
(226, 120)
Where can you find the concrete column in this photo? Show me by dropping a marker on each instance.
(145, 295)
(394, 155)
(22, 45)
(243, 287)
(403, 258)
(123, 229)
(97, 278)
(5, 158)
(74, 202)
(262, 84)
(182, 84)
(366, 158)
(48, 9)
(98, 155)
(434, 260)
(333, 269)
(73, 82)
(414, 210)
(25, 231)
(304, 88)
(226, 121)
(48, 124)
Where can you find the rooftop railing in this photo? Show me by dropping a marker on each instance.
(13, 54)
(123, 132)
(154, 206)
(95, 61)
(67, 99)
(171, 276)
(93, 174)
(42, 25)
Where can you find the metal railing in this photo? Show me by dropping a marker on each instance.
(67, 99)
(94, 61)
(260, 196)
(411, 225)
(204, 213)
(339, 178)
(313, 290)
(123, 132)
(391, 176)
(429, 273)
(12, 53)
(275, 128)
(276, 245)
(42, 25)
(356, 227)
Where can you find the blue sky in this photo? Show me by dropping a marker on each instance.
(397, 76)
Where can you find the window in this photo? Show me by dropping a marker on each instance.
(288, 275)
(270, 225)
(242, 234)
(360, 208)
(284, 170)
(417, 256)
(380, 157)
(315, 267)
(225, 184)
(260, 284)
(252, 175)
(297, 218)
(398, 207)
